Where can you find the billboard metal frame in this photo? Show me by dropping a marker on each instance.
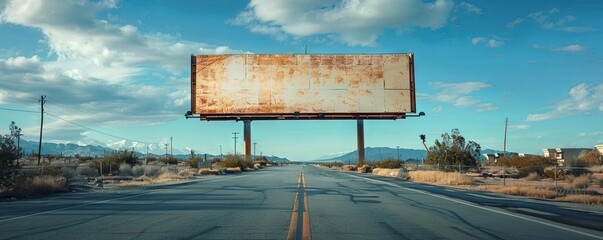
(302, 115)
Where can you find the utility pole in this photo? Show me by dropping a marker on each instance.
(221, 152)
(235, 142)
(42, 101)
(166, 149)
(171, 148)
(254, 146)
(398, 148)
(505, 142)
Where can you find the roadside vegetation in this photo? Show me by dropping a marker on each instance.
(454, 161)
(21, 176)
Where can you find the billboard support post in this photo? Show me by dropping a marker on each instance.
(360, 130)
(247, 139)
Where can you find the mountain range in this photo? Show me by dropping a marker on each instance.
(70, 149)
(381, 153)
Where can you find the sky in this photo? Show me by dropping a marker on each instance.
(117, 72)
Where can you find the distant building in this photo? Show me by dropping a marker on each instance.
(491, 158)
(563, 154)
(599, 148)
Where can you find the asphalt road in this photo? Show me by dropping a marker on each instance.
(295, 202)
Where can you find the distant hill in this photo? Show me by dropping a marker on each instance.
(70, 150)
(373, 154)
(378, 154)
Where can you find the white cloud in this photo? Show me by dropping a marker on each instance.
(588, 134)
(582, 98)
(100, 73)
(471, 8)
(477, 40)
(519, 127)
(437, 109)
(550, 20)
(515, 22)
(354, 22)
(490, 42)
(570, 48)
(457, 94)
(494, 43)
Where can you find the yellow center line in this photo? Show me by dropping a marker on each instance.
(300, 195)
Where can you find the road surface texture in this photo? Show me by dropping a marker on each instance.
(295, 202)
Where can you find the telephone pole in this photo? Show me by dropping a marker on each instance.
(254, 149)
(235, 142)
(171, 148)
(42, 101)
(505, 142)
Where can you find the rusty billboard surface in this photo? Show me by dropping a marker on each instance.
(302, 86)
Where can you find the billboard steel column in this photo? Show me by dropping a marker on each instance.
(247, 139)
(360, 129)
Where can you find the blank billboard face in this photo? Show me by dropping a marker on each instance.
(265, 84)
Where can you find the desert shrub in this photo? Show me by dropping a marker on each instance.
(332, 164)
(125, 170)
(584, 199)
(86, 171)
(350, 167)
(168, 160)
(193, 162)
(528, 191)
(389, 163)
(85, 159)
(526, 162)
(138, 171)
(67, 172)
(50, 171)
(532, 177)
(153, 171)
(187, 172)
(232, 161)
(561, 174)
(581, 182)
(438, 177)
(598, 179)
(43, 185)
(527, 170)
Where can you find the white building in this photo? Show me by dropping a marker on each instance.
(564, 154)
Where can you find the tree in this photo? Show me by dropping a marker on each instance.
(453, 149)
(593, 158)
(9, 153)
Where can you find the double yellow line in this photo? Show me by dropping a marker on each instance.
(300, 218)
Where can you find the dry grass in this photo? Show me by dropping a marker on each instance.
(135, 183)
(532, 177)
(437, 177)
(581, 182)
(584, 199)
(43, 185)
(596, 169)
(396, 173)
(528, 191)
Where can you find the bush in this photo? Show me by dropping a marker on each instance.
(138, 171)
(232, 161)
(86, 172)
(67, 172)
(193, 162)
(125, 170)
(43, 185)
(388, 163)
(561, 174)
(532, 177)
(581, 182)
(527, 170)
(168, 160)
(153, 171)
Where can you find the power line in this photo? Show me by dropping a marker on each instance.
(17, 110)
(94, 130)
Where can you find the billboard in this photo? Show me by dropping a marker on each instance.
(302, 86)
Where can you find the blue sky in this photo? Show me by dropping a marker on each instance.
(116, 72)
